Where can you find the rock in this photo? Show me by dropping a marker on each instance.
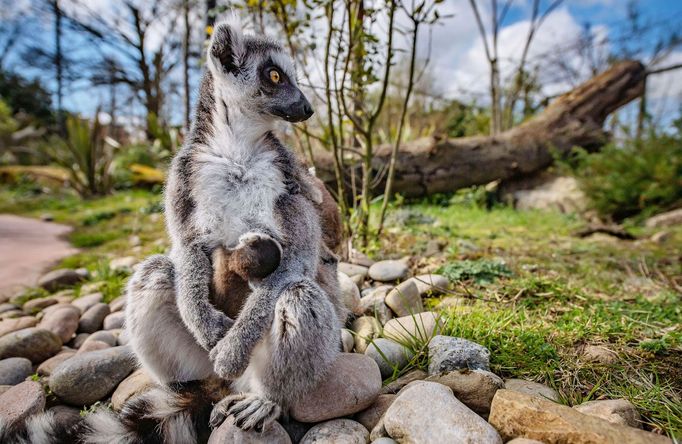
(123, 337)
(447, 353)
(353, 270)
(617, 411)
(118, 304)
(134, 385)
(404, 299)
(89, 377)
(398, 384)
(373, 304)
(228, 433)
(11, 314)
(60, 306)
(21, 401)
(371, 415)
(531, 388)
(347, 340)
(661, 237)
(351, 385)
(79, 340)
(366, 328)
(430, 284)
(62, 322)
(475, 388)
(123, 264)
(85, 302)
(4, 388)
(350, 294)
(92, 287)
(422, 326)
(48, 366)
(389, 355)
(516, 414)
(114, 320)
(106, 336)
(524, 441)
(33, 343)
(667, 219)
(92, 319)
(388, 271)
(337, 431)
(14, 370)
(600, 354)
(5, 307)
(56, 279)
(89, 346)
(434, 247)
(560, 193)
(10, 325)
(38, 304)
(384, 440)
(427, 412)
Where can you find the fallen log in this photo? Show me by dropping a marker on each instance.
(438, 165)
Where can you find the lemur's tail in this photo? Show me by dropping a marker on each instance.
(42, 428)
(178, 413)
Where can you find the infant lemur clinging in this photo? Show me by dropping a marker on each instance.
(234, 189)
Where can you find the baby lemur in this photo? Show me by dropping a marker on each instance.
(239, 206)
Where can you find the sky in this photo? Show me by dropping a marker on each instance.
(457, 64)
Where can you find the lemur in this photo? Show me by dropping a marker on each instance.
(233, 191)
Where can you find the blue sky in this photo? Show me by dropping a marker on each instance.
(458, 67)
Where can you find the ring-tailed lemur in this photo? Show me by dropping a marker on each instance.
(234, 185)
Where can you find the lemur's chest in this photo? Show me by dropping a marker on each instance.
(238, 194)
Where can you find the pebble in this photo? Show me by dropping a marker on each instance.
(427, 412)
(118, 304)
(350, 293)
(617, 411)
(59, 306)
(402, 381)
(447, 353)
(389, 355)
(5, 307)
(475, 388)
(63, 322)
(11, 314)
(123, 337)
(600, 354)
(38, 304)
(516, 414)
(353, 270)
(351, 386)
(10, 325)
(85, 302)
(422, 326)
(135, 384)
(89, 346)
(48, 366)
(32, 343)
(228, 433)
(531, 388)
(388, 271)
(89, 377)
(106, 336)
(337, 431)
(373, 304)
(404, 299)
(114, 320)
(366, 328)
(123, 264)
(430, 284)
(14, 370)
(56, 279)
(371, 415)
(384, 440)
(91, 320)
(78, 340)
(21, 401)
(347, 340)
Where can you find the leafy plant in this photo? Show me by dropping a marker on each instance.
(481, 272)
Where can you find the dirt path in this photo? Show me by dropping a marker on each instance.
(27, 248)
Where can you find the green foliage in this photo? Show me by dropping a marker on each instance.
(7, 123)
(481, 271)
(636, 178)
(30, 98)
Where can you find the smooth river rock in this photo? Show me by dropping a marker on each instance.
(350, 293)
(475, 388)
(10, 325)
(531, 388)
(422, 326)
(337, 431)
(91, 321)
(388, 271)
(617, 411)
(430, 284)
(14, 370)
(228, 433)
(56, 279)
(33, 343)
(89, 377)
(389, 355)
(63, 322)
(366, 328)
(516, 414)
(352, 385)
(371, 415)
(427, 412)
(404, 299)
(447, 353)
(21, 401)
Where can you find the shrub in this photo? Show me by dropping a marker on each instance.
(637, 178)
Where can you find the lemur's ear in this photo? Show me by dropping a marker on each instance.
(227, 48)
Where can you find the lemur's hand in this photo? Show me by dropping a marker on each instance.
(229, 359)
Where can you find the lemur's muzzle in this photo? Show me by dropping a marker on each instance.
(296, 111)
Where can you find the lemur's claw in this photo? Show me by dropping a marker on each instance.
(219, 412)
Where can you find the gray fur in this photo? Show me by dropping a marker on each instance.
(234, 178)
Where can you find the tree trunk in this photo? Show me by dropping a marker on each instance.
(439, 165)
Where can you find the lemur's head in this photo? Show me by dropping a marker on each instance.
(257, 72)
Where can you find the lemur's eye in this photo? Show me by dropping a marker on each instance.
(274, 76)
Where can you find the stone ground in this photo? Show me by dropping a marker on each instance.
(27, 248)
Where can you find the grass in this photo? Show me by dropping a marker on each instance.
(533, 293)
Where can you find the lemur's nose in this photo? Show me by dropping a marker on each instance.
(308, 110)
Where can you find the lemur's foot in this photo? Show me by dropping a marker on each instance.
(250, 412)
(256, 255)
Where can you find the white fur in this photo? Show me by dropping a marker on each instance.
(106, 429)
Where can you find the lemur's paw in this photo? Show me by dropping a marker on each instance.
(227, 362)
(250, 412)
(257, 255)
